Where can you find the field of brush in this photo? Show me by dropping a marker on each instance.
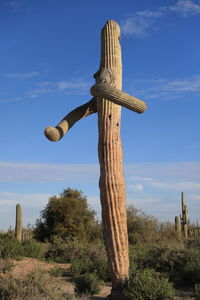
(162, 265)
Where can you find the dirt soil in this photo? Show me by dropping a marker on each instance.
(23, 267)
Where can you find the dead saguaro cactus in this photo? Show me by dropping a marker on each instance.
(107, 101)
(18, 224)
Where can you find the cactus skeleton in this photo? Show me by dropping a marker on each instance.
(107, 102)
(18, 225)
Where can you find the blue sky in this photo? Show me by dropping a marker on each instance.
(48, 55)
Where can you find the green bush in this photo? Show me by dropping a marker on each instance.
(197, 291)
(67, 216)
(88, 284)
(6, 265)
(10, 247)
(33, 249)
(63, 250)
(56, 271)
(148, 285)
(191, 269)
(80, 266)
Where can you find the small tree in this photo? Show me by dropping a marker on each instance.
(67, 216)
(141, 227)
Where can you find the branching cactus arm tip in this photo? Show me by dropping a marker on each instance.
(54, 134)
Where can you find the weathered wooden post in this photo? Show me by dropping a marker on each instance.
(107, 102)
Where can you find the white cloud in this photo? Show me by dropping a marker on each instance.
(186, 7)
(141, 23)
(136, 172)
(22, 75)
(153, 187)
(176, 186)
(165, 89)
(78, 87)
(138, 187)
(11, 172)
(11, 100)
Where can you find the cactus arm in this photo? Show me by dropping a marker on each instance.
(54, 134)
(117, 96)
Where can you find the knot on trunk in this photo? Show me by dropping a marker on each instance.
(104, 75)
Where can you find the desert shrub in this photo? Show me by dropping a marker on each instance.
(141, 227)
(191, 269)
(33, 249)
(63, 250)
(163, 259)
(86, 265)
(87, 284)
(147, 285)
(56, 271)
(10, 247)
(67, 216)
(6, 265)
(197, 291)
(80, 266)
(193, 242)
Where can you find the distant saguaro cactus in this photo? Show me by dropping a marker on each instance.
(184, 217)
(18, 224)
(178, 226)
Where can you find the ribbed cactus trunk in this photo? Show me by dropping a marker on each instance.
(111, 183)
(184, 217)
(107, 101)
(18, 225)
(178, 226)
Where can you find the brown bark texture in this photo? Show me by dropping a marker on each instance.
(111, 183)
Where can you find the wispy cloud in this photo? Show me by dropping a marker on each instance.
(166, 89)
(11, 99)
(186, 8)
(22, 75)
(79, 86)
(136, 173)
(176, 186)
(14, 5)
(141, 23)
(11, 172)
(153, 187)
